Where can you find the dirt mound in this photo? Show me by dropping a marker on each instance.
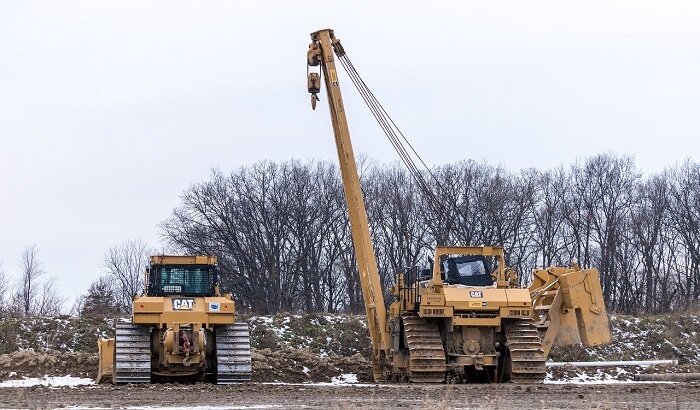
(284, 365)
(300, 365)
(667, 336)
(319, 347)
(46, 334)
(681, 368)
(289, 366)
(323, 334)
(34, 364)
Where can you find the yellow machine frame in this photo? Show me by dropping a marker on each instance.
(563, 305)
(157, 322)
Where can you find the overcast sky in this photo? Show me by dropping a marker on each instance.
(109, 110)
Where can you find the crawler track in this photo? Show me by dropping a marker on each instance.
(132, 354)
(233, 363)
(526, 353)
(427, 363)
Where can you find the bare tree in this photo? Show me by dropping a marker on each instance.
(547, 209)
(648, 219)
(34, 296)
(77, 306)
(393, 211)
(282, 235)
(48, 302)
(126, 263)
(609, 182)
(685, 203)
(5, 292)
(29, 285)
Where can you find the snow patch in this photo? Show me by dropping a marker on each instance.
(346, 378)
(326, 384)
(616, 376)
(58, 381)
(257, 406)
(595, 382)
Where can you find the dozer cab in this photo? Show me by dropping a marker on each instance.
(182, 328)
(464, 315)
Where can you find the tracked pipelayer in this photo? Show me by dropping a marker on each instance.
(464, 315)
(182, 328)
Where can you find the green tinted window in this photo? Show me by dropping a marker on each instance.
(184, 280)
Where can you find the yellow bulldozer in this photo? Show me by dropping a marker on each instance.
(464, 315)
(181, 328)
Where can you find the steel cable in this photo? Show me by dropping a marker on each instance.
(392, 132)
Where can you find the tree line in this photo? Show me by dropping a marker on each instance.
(281, 232)
(33, 292)
(282, 235)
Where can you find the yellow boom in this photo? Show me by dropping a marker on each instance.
(321, 54)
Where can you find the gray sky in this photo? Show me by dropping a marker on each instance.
(108, 110)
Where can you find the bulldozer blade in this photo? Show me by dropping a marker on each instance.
(105, 351)
(584, 296)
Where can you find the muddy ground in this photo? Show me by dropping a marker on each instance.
(298, 367)
(255, 395)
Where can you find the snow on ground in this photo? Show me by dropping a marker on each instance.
(617, 376)
(344, 379)
(333, 384)
(668, 336)
(57, 381)
(585, 379)
(260, 406)
(324, 335)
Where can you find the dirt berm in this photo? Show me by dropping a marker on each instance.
(27, 363)
(284, 365)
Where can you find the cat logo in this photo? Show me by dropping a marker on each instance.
(476, 294)
(183, 304)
